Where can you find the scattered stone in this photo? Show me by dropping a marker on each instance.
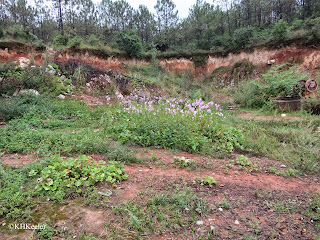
(271, 61)
(283, 166)
(220, 209)
(199, 222)
(186, 209)
(212, 228)
(107, 193)
(61, 96)
(236, 222)
(26, 91)
(211, 219)
(140, 170)
(3, 224)
(283, 115)
(24, 62)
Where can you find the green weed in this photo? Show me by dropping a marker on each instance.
(71, 175)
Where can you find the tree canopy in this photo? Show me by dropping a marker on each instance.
(215, 26)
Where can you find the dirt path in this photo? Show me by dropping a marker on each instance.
(253, 116)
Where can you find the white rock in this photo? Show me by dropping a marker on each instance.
(27, 92)
(24, 62)
(199, 222)
(236, 222)
(283, 115)
(220, 209)
(283, 166)
(61, 96)
(212, 228)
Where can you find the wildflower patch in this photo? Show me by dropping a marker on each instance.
(174, 124)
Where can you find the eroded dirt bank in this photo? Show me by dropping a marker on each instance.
(308, 58)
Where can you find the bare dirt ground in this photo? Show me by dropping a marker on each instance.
(253, 116)
(263, 205)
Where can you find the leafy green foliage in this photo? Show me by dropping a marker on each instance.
(208, 180)
(242, 37)
(94, 40)
(244, 162)
(281, 80)
(70, 175)
(45, 79)
(18, 32)
(60, 40)
(280, 31)
(285, 173)
(16, 195)
(75, 42)
(130, 42)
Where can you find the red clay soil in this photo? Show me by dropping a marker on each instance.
(251, 194)
(91, 101)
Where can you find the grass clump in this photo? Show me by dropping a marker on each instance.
(295, 143)
(16, 195)
(157, 214)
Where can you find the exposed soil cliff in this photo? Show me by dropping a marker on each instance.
(308, 58)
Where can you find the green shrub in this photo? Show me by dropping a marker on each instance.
(130, 42)
(313, 25)
(75, 42)
(18, 32)
(280, 31)
(60, 40)
(311, 104)
(242, 37)
(94, 41)
(281, 80)
(9, 78)
(221, 43)
(45, 79)
(17, 107)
